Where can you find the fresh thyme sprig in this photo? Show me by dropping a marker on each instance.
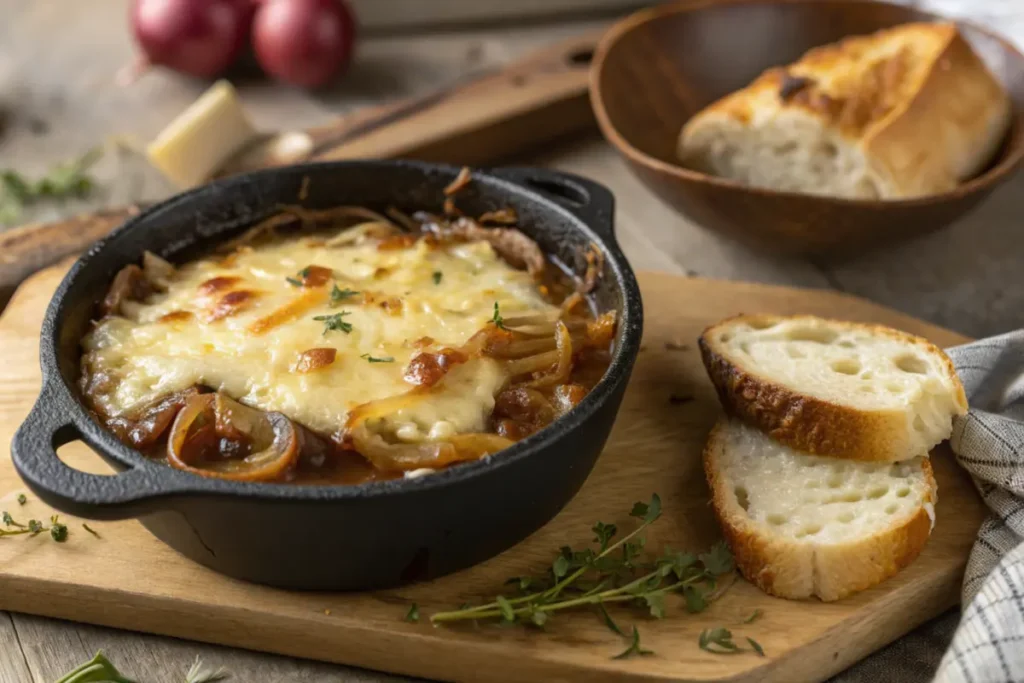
(498, 321)
(334, 322)
(58, 531)
(719, 641)
(69, 179)
(616, 572)
(338, 295)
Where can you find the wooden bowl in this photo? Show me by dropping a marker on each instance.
(657, 68)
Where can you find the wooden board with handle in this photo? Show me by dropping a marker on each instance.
(128, 579)
(484, 118)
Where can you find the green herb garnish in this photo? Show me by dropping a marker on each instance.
(373, 359)
(22, 499)
(753, 617)
(413, 615)
(339, 295)
(437, 277)
(499, 321)
(634, 647)
(69, 179)
(58, 531)
(617, 570)
(90, 530)
(334, 322)
(719, 641)
(300, 278)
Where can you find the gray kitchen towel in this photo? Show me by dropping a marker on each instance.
(988, 644)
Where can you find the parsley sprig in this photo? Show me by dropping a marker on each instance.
(334, 322)
(615, 572)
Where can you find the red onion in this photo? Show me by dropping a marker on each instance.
(303, 42)
(197, 37)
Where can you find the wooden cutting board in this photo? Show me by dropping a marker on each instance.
(128, 579)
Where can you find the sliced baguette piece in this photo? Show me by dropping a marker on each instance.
(805, 526)
(905, 112)
(833, 388)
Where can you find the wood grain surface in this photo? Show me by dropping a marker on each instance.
(130, 580)
(58, 99)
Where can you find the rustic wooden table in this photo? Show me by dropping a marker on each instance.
(57, 98)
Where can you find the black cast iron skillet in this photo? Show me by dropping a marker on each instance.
(332, 537)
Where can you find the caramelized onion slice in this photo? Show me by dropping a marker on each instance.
(406, 457)
(564, 366)
(147, 426)
(215, 436)
(157, 271)
(130, 284)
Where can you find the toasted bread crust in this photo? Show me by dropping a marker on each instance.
(920, 105)
(795, 570)
(811, 424)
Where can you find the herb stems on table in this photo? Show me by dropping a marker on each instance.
(614, 572)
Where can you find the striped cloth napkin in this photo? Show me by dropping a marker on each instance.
(986, 643)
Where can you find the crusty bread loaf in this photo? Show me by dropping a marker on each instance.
(904, 112)
(804, 525)
(840, 389)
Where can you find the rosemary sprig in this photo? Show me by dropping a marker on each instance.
(615, 572)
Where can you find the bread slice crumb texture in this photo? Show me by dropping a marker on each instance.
(815, 499)
(805, 526)
(833, 388)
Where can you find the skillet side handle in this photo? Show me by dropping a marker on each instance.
(590, 201)
(131, 493)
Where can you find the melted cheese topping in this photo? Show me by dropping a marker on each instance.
(205, 330)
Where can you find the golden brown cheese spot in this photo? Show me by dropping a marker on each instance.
(314, 359)
(392, 305)
(290, 311)
(397, 242)
(382, 273)
(218, 284)
(423, 342)
(427, 369)
(231, 303)
(315, 276)
(176, 317)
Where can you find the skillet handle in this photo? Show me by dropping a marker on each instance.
(127, 494)
(590, 201)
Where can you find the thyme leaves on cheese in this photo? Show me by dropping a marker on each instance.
(618, 570)
(437, 277)
(334, 322)
(376, 359)
(498, 321)
(339, 295)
